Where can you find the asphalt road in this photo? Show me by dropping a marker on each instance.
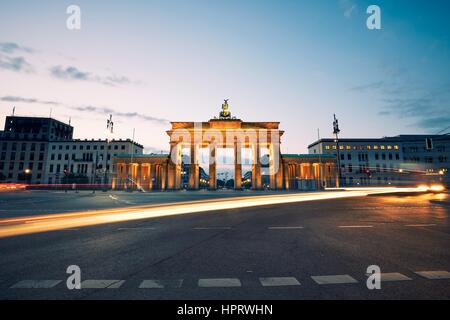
(271, 252)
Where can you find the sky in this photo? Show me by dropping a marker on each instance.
(296, 62)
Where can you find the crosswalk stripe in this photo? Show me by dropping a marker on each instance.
(393, 276)
(101, 284)
(334, 279)
(161, 284)
(420, 225)
(434, 275)
(219, 282)
(36, 284)
(279, 281)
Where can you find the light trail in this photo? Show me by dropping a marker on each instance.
(51, 222)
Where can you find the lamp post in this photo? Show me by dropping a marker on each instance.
(336, 131)
(110, 131)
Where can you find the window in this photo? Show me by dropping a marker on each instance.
(13, 156)
(390, 156)
(53, 147)
(24, 146)
(342, 156)
(59, 156)
(377, 156)
(383, 156)
(350, 168)
(397, 156)
(40, 166)
(58, 168)
(116, 147)
(52, 157)
(66, 156)
(51, 169)
(349, 156)
(32, 156)
(123, 147)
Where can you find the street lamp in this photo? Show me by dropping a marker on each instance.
(336, 131)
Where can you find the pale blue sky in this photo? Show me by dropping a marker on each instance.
(296, 62)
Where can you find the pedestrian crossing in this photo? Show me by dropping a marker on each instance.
(276, 281)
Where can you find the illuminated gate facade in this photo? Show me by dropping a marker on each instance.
(163, 171)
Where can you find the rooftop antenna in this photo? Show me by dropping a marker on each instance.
(14, 111)
(70, 120)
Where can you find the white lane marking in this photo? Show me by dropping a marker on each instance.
(284, 228)
(160, 284)
(279, 281)
(334, 279)
(36, 284)
(434, 275)
(101, 284)
(355, 226)
(113, 197)
(137, 228)
(212, 228)
(219, 282)
(393, 276)
(420, 225)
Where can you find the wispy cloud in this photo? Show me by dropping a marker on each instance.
(91, 109)
(17, 64)
(104, 110)
(27, 100)
(12, 47)
(74, 73)
(348, 7)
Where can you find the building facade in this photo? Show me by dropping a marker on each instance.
(85, 161)
(24, 145)
(42, 151)
(398, 160)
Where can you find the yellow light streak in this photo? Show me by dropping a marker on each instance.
(51, 222)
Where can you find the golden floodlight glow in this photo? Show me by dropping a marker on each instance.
(437, 187)
(51, 222)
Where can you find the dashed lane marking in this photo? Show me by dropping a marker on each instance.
(279, 281)
(362, 226)
(36, 284)
(285, 228)
(137, 228)
(420, 225)
(212, 228)
(219, 283)
(334, 279)
(101, 284)
(434, 275)
(161, 284)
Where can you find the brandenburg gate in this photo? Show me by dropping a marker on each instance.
(164, 171)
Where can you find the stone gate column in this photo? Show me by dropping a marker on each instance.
(194, 167)
(237, 165)
(212, 166)
(256, 167)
